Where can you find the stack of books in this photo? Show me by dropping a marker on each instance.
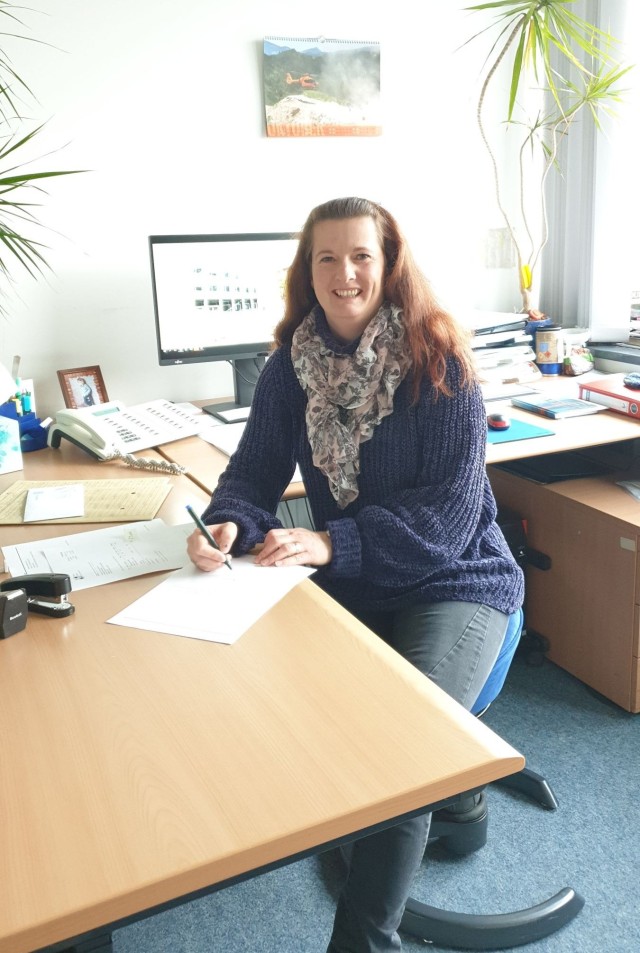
(503, 348)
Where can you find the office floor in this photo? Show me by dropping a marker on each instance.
(588, 750)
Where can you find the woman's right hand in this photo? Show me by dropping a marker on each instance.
(203, 555)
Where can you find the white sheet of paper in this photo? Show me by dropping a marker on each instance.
(216, 606)
(54, 502)
(103, 555)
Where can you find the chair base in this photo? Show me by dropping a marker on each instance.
(533, 785)
(500, 931)
(462, 829)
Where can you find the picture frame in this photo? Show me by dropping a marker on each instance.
(83, 386)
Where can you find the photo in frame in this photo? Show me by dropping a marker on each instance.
(83, 386)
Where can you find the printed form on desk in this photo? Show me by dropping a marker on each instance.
(103, 555)
(215, 606)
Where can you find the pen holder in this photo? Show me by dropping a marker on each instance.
(33, 436)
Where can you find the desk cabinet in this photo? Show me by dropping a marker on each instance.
(587, 604)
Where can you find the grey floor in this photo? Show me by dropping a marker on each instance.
(589, 751)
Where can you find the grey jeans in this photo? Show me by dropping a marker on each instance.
(456, 645)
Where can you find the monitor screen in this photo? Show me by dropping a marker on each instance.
(219, 298)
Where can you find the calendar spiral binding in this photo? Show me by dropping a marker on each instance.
(320, 40)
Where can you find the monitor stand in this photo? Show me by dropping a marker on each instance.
(246, 371)
(228, 413)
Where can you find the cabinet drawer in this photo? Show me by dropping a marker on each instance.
(586, 604)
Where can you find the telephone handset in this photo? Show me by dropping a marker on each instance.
(111, 430)
(85, 428)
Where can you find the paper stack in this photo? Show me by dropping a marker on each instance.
(503, 348)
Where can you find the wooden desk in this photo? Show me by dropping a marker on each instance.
(205, 463)
(139, 768)
(573, 433)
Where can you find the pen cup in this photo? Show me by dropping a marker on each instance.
(550, 349)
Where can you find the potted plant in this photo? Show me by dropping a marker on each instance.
(18, 221)
(17, 185)
(558, 66)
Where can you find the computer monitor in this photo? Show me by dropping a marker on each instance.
(219, 298)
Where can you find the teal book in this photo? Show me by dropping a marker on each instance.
(556, 407)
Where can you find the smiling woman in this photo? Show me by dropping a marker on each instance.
(371, 390)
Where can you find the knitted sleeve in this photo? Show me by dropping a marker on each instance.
(250, 488)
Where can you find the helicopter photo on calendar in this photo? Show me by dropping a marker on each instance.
(321, 87)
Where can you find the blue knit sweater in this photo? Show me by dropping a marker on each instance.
(422, 528)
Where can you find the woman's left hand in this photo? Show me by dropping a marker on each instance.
(295, 547)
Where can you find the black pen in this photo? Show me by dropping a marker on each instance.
(205, 532)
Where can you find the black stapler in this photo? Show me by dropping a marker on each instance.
(46, 592)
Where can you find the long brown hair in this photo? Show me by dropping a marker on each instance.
(432, 333)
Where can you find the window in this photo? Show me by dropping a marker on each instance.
(592, 263)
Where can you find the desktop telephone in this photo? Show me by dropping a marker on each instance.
(111, 430)
(84, 428)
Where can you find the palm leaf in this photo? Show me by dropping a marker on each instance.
(550, 50)
(17, 182)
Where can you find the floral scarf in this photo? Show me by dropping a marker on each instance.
(348, 394)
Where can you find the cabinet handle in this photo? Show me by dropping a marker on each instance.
(538, 559)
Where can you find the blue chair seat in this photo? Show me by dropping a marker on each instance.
(493, 685)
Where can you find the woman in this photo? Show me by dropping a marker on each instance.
(85, 392)
(371, 390)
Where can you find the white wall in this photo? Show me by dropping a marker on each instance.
(162, 102)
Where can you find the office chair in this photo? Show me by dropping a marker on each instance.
(461, 826)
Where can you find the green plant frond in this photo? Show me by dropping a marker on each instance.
(498, 4)
(571, 28)
(19, 187)
(540, 27)
(548, 50)
(27, 177)
(25, 251)
(12, 143)
(516, 74)
(25, 246)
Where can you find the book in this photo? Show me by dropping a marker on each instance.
(612, 393)
(522, 372)
(493, 357)
(502, 338)
(485, 322)
(556, 407)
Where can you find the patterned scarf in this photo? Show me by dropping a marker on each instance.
(348, 394)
